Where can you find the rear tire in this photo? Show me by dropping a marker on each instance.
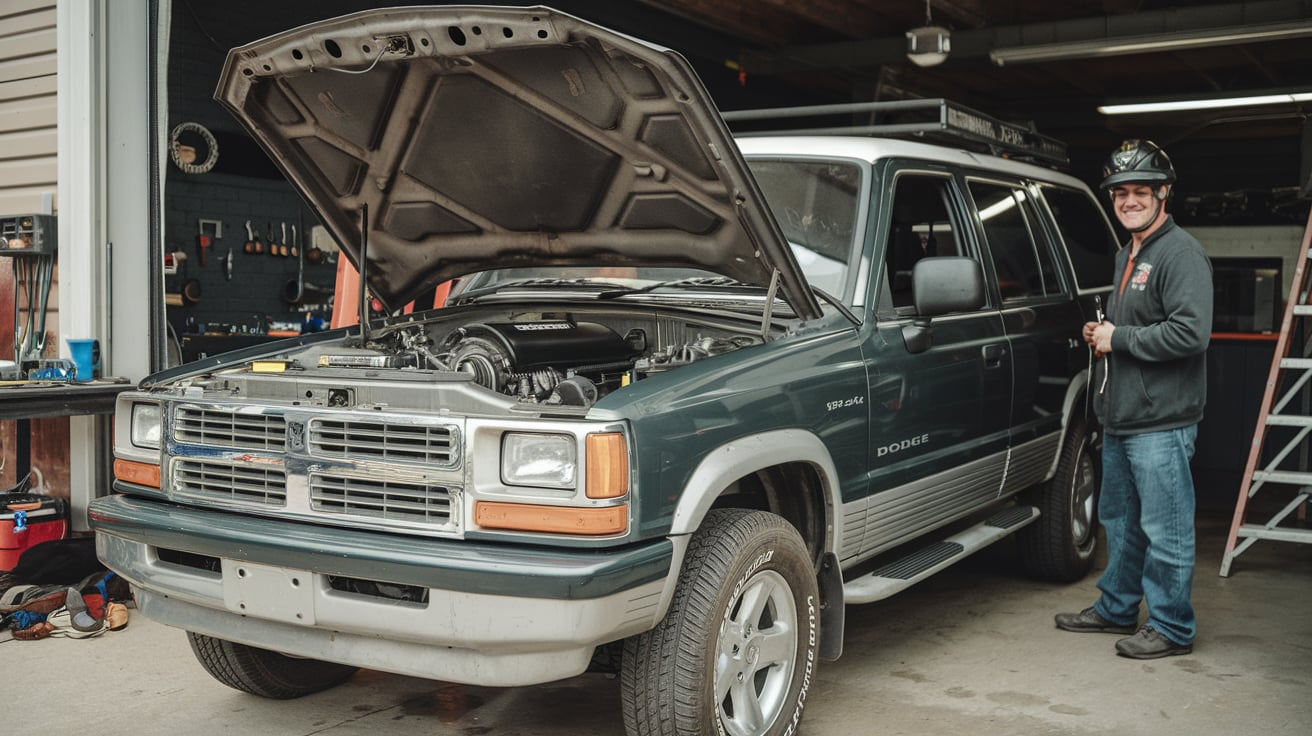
(265, 673)
(736, 653)
(1060, 545)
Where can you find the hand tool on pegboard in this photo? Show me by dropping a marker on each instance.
(204, 240)
(273, 240)
(251, 239)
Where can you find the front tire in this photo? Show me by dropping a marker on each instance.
(1060, 545)
(265, 673)
(736, 653)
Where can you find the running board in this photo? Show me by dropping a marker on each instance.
(899, 575)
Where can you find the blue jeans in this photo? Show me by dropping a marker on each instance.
(1147, 508)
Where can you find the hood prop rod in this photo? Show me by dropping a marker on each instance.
(364, 260)
(769, 305)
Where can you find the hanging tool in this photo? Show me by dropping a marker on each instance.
(227, 265)
(273, 242)
(249, 247)
(294, 290)
(203, 238)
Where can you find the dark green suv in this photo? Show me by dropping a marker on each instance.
(691, 396)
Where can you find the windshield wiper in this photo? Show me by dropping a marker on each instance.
(473, 294)
(690, 281)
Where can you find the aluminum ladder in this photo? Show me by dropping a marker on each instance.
(1287, 405)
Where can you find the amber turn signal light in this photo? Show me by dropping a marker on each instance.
(608, 465)
(142, 474)
(526, 517)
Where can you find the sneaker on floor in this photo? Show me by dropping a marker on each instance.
(1148, 643)
(1088, 621)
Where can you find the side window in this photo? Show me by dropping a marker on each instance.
(1086, 234)
(920, 226)
(1021, 257)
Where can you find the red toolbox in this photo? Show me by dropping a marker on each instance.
(27, 519)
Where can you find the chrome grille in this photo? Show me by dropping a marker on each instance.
(227, 428)
(409, 502)
(219, 481)
(384, 441)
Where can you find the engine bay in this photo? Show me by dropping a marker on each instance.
(566, 359)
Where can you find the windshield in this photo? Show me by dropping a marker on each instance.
(815, 203)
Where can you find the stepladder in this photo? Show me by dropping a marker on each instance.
(1277, 481)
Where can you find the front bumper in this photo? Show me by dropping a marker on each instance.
(495, 615)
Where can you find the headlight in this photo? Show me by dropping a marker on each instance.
(545, 460)
(145, 425)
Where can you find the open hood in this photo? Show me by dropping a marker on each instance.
(482, 137)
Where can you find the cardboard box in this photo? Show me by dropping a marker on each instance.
(27, 520)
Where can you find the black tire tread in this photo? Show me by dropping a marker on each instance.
(265, 673)
(1045, 546)
(661, 665)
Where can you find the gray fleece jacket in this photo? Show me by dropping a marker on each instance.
(1157, 370)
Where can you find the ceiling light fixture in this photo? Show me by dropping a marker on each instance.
(1174, 41)
(928, 45)
(1138, 108)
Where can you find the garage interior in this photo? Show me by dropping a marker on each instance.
(1244, 172)
(973, 648)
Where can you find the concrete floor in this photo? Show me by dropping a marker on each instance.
(972, 651)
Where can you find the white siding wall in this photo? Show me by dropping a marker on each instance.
(28, 167)
(1270, 241)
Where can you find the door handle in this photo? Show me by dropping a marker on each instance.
(993, 355)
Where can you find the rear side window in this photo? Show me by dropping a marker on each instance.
(1086, 233)
(1022, 260)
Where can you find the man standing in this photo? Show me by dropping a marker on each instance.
(1149, 395)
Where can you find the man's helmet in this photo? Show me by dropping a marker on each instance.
(1138, 162)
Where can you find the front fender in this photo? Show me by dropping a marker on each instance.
(743, 456)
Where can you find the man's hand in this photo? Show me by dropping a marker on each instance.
(1101, 338)
(1089, 327)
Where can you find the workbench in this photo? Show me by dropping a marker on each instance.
(23, 401)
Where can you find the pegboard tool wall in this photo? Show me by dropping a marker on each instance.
(258, 279)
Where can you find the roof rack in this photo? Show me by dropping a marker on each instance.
(937, 119)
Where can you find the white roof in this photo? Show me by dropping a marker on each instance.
(871, 149)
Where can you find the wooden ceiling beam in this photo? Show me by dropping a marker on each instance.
(850, 19)
(968, 13)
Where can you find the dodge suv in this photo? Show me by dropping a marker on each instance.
(694, 395)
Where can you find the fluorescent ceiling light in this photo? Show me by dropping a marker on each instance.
(1002, 205)
(1134, 108)
(1175, 41)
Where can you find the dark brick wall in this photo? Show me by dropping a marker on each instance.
(244, 185)
(255, 292)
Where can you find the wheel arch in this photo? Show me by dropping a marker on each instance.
(1077, 400)
(751, 472)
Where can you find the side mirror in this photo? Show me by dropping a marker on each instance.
(941, 286)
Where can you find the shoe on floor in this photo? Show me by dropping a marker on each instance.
(1088, 621)
(79, 615)
(1147, 643)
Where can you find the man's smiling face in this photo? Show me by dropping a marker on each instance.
(1135, 205)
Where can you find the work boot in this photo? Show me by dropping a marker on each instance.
(1147, 643)
(1088, 621)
